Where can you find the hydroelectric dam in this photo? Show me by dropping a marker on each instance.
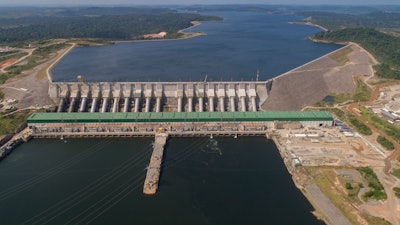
(163, 109)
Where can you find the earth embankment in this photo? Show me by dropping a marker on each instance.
(310, 83)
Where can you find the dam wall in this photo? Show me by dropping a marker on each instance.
(158, 96)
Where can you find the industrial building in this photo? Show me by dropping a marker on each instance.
(173, 123)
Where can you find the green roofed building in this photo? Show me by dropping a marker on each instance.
(173, 117)
(175, 123)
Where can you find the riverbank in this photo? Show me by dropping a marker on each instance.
(309, 24)
(186, 35)
(48, 72)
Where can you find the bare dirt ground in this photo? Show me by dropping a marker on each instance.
(313, 81)
(29, 89)
(7, 63)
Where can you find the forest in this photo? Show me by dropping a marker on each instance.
(384, 21)
(385, 47)
(102, 23)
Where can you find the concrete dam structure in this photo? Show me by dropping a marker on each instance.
(163, 109)
(159, 96)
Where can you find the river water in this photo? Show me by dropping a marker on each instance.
(204, 181)
(233, 49)
(99, 181)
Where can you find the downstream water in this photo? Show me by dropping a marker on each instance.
(233, 49)
(204, 181)
(99, 181)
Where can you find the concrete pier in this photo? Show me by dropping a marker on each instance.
(232, 104)
(94, 105)
(137, 104)
(243, 103)
(115, 105)
(253, 104)
(153, 171)
(105, 105)
(158, 104)
(126, 104)
(221, 104)
(147, 109)
(72, 105)
(201, 105)
(179, 109)
(190, 103)
(61, 105)
(82, 108)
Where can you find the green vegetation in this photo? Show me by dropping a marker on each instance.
(385, 143)
(12, 55)
(8, 124)
(38, 56)
(352, 190)
(376, 188)
(381, 124)
(361, 128)
(386, 48)
(341, 56)
(108, 24)
(375, 220)
(338, 112)
(397, 191)
(396, 172)
(387, 21)
(361, 93)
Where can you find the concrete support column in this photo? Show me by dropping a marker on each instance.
(82, 108)
(221, 104)
(243, 101)
(179, 104)
(253, 103)
(147, 104)
(105, 105)
(232, 104)
(94, 105)
(201, 103)
(158, 104)
(72, 105)
(137, 104)
(126, 104)
(115, 105)
(211, 103)
(61, 105)
(190, 102)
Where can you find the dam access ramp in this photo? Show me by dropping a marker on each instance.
(153, 171)
(224, 96)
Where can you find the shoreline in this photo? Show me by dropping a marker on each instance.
(48, 73)
(309, 24)
(185, 36)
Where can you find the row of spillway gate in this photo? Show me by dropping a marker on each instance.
(159, 96)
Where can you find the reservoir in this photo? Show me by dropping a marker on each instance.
(233, 49)
(204, 181)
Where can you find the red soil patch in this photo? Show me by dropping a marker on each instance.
(7, 63)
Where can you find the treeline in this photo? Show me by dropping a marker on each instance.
(389, 21)
(115, 27)
(386, 48)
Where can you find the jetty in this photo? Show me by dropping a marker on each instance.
(154, 168)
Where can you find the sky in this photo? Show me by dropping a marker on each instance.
(192, 2)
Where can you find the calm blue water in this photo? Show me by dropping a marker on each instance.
(233, 49)
(220, 181)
